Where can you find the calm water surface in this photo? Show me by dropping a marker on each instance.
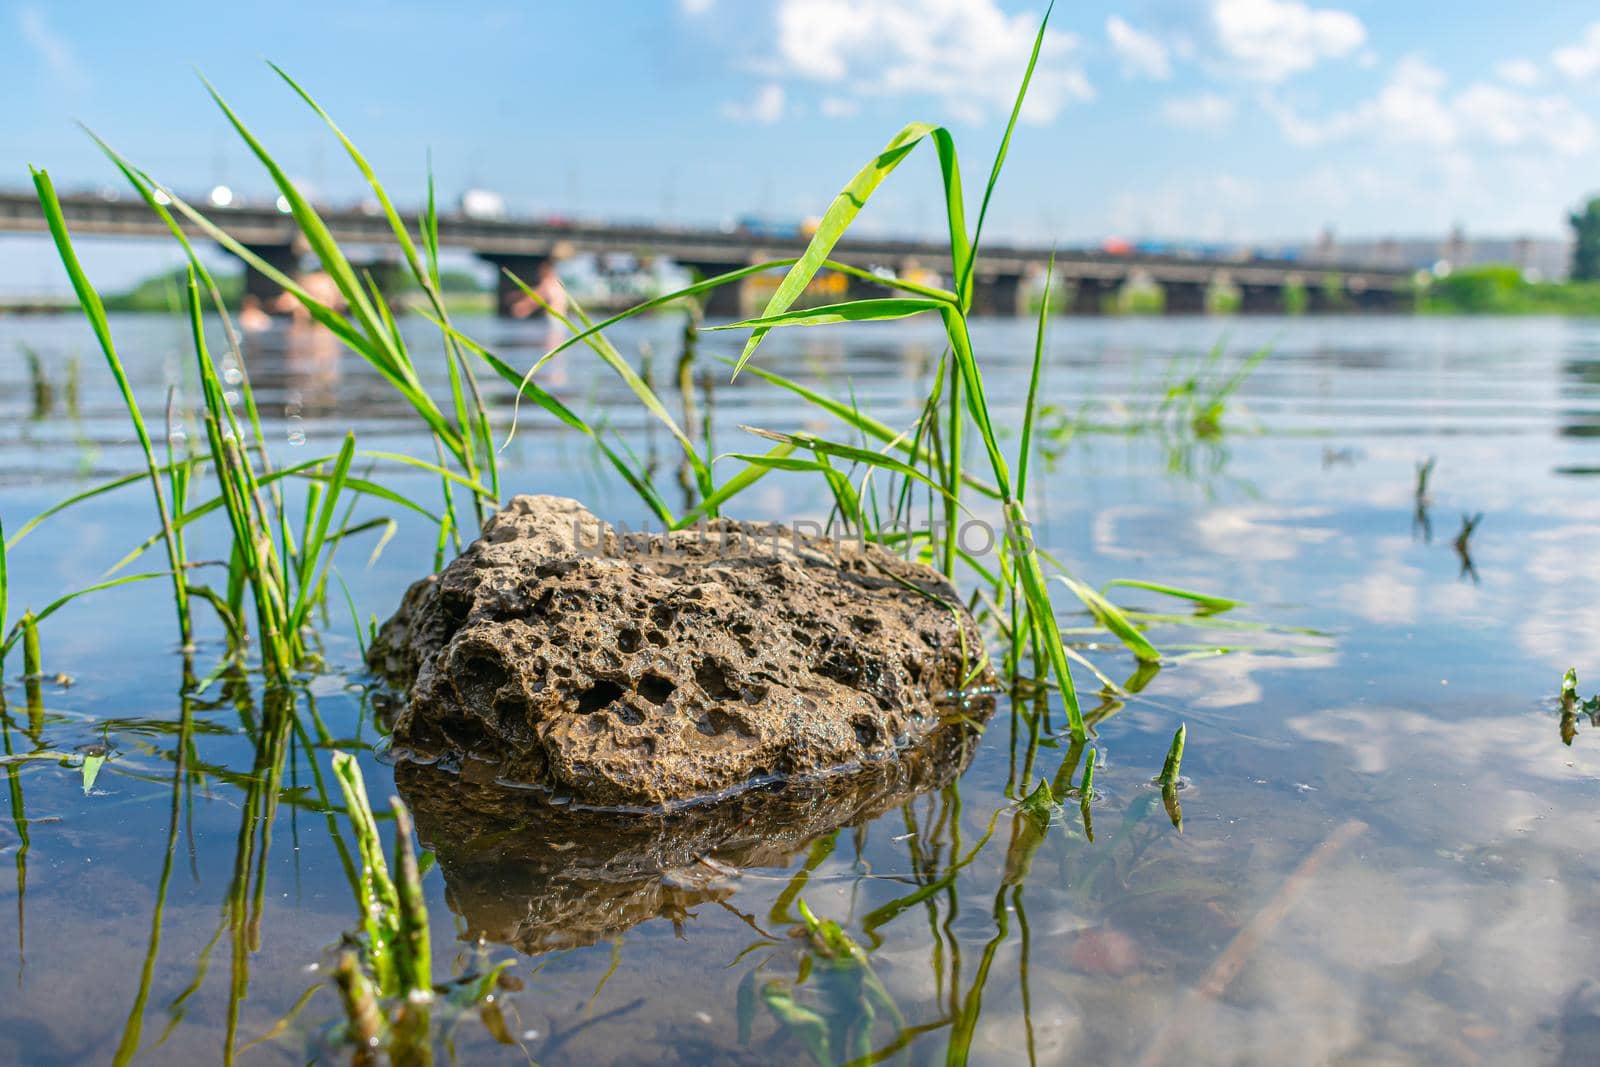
(1388, 853)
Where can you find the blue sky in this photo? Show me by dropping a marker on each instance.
(1211, 119)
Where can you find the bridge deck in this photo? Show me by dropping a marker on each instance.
(90, 215)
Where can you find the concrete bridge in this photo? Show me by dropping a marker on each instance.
(528, 246)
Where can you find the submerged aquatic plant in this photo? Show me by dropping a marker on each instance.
(1196, 403)
(393, 916)
(385, 975)
(849, 1005)
(1463, 544)
(1170, 778)
(1573, 705)
(1422, 497)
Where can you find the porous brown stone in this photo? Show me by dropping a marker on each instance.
(644, 669)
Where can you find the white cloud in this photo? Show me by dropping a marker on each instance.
(1414, 108)
(840, 107)
(1140, 53)
(696, 7)
(968, 54)
(1519, 72)
(1200, 111)
(1580, 60)
(1508, 118)
(53, 49)
(766, 106)
(1268, 40)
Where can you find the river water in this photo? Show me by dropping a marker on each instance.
(1390, 839)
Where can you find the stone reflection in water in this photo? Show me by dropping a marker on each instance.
(538, 876)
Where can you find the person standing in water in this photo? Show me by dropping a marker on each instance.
(548, 286)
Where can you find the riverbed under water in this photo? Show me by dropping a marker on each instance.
(1388, 852)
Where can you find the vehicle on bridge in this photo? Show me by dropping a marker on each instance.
(775, 228)
(483, 204)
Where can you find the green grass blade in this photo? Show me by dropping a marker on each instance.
(1112, 618)
(777, 463)
(311, 553)
(88, 494)
(311, 225)
(413, 909)
(976, 401)
(431, 468)
(379, 490)
(1039, 608)
(639, 387)
(1207, 622)
(305, 470)
(376, 350)
(890, 282)
(845, 497)
(1246, 367)
(848, 452)
(95, 312)
(965, 275)
(3, 577)
(753, 472)
(703, 286)
(1207, 601)
(402, 234)
(376, 897)
(526, 387)
(148, 187)
(842, 212)
(864, 423)
(1173, 767)
(430, 228)
(355, 616)
(62, 601)
(870, 310)
(1030, 409)
(717, 281)
(145, 188)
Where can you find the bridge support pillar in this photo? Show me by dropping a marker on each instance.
(997, 294)
(725, 301)
(855, 288)
(510, 301)
(1090, 295)
(284, 258)
(1380, 301)
(1322, 299)
(861, 289)
(1257, 299)
(1183, 298)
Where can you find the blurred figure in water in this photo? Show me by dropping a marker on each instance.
(552, 297)
(253, 318)
(319, 286)
(548, 286)
(311, 367)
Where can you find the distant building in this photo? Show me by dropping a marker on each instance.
(1547, 258)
